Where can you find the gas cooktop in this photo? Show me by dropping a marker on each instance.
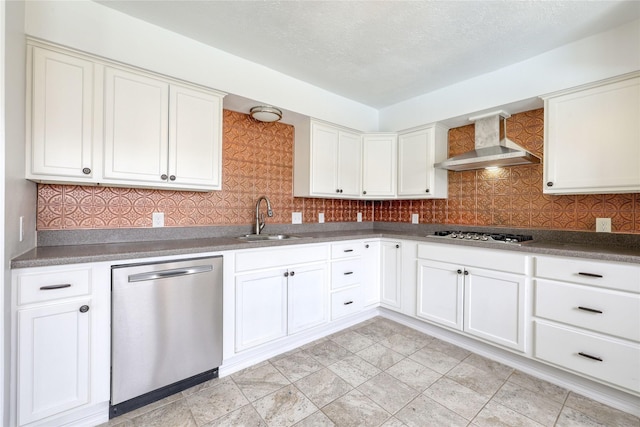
(485, 237)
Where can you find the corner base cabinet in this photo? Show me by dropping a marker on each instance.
(60, 322)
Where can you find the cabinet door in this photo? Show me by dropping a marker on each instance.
(494, 307)
(379, 166)
(324, 160)
(136, 127)
(61, 116)
(591, 140)
(308, 294)
(440, 293)
(415, 165)
(195, 148)
(349, 164)
(371, 273)
(390, 270)
(53, 359)
(261, 308)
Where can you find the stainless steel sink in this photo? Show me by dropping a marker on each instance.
(263, 237)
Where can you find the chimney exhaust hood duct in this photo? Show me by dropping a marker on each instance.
(492, 149)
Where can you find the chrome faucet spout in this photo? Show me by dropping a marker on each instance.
(260, 217)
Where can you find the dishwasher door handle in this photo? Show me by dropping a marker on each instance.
(163, 274)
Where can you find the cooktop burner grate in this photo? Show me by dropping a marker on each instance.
(481, 236)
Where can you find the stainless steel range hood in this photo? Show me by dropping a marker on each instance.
(491, 148)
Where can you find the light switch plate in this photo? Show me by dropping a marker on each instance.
(359, 216)
(603, 225)
(157, 219)
(415, 218)
(296, 217)
(321, 217)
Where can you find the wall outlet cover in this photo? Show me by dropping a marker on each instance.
(359, 216)
(296, 217)
(415, 218)
(321, 217)
(157, 219)
(603, 225)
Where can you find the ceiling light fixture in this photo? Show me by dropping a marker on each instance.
(265, 113)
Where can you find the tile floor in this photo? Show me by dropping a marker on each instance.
(376, 373)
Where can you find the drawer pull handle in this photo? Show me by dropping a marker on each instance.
(348, 302)
(588, 356)
(52, 287)
(599, 276)
(590, 310)
(348, 250)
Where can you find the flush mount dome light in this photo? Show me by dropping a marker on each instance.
(265, 113)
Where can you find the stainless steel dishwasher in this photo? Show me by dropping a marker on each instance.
(166, 329)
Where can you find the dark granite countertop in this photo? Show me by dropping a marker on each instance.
(60, 248)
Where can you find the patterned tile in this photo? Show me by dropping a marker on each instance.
(258, 159)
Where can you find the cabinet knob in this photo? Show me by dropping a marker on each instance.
(293, 273)
(466, 273)
(550, 184)
(172, 177)
(341, 190)
(84, 309)
(86, 171)
(286, 274)
(459, 271)
(427, 190)
(364, 192)
(337, 190)
(366, 246)
(397, 246)
(163, 177)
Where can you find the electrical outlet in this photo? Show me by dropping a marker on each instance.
(603, 225)
(296, 217)
(21, 232)
(415, 218)
(157, 219)
(321, 217)
(359, 216)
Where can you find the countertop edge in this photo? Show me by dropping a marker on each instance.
(77, 254)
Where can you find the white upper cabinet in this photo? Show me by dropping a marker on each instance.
(592, 138)
(60, 97)
(328, 162)
(195, 137)
(379, 159)
(136, 127)
(101, 123)
(417, 153)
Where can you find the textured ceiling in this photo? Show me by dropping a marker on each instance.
(383, 52)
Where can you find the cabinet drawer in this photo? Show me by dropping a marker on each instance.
(618, 362)
(345, 302)
(345, 273)
(279, 257)
(46, 284)
(345, 250)
(490, 259)
(601, 310)
(624, 277)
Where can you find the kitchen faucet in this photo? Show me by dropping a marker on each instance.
(259, 216)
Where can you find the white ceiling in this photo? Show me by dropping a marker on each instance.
(383, 52)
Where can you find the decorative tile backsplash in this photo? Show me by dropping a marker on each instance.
(258, 160)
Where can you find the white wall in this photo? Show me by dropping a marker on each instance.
(94, 28)
(601, 56)
(17, 195)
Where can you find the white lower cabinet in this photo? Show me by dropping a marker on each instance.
(348, 274)
(390, 273)
(60, 319)
(487, 304)
(371, 273)
(273, 300)
(261, 308)
(587, 318)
